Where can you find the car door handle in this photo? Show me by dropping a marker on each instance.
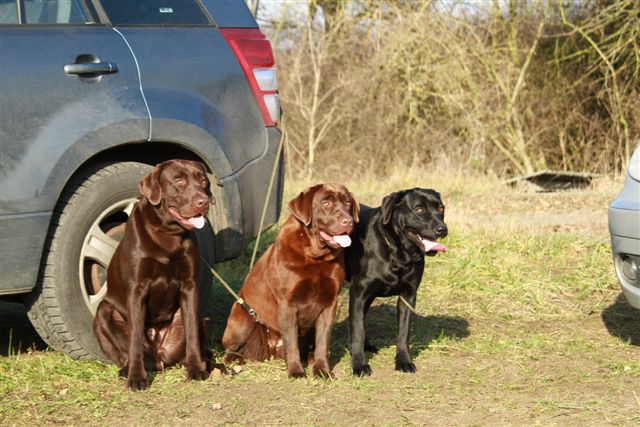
(91, 68)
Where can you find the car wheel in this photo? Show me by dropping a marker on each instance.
(86, 227)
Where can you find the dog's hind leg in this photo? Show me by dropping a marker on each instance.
(171, 344)
(244, 338)
(111, 331)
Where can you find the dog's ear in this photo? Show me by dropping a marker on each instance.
(301, 205)
(389, 204)
(150, 185)
(355, 206)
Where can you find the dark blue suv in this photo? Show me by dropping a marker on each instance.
(93, 93)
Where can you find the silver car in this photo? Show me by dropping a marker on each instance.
(624, 227)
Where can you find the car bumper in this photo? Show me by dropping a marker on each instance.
(624, 227)
(254, 186)
(236, 219)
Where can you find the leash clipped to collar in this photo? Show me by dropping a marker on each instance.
(233, 293)
(250, 310)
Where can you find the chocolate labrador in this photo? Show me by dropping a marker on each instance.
(294, 286)
(386, 259)
(149, 316)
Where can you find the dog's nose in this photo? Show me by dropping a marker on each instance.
(346, 222)
(441, 230)
(201, 202)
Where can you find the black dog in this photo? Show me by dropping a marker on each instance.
(387, 258)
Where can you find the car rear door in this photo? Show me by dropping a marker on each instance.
(190, 75)
(64, 78)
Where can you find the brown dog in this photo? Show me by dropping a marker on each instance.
(149, 316)
(294, 286)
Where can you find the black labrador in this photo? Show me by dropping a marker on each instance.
(386, 258)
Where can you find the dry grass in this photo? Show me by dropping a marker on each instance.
(508, 89)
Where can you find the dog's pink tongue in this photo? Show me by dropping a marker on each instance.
(433, 246)
(343, 241)
(197, 221)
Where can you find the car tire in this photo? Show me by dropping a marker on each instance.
(85, 229)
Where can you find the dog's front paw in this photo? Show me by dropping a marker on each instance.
(197, 374)
(296, 371)
(297, 374)
(137, 382)
(406, 367)
(362, 370)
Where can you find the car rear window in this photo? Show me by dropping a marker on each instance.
(155, 12)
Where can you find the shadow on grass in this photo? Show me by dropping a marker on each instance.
(382, 331)
(623, 321)
(16, 333)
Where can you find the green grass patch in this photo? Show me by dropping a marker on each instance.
(501, 273)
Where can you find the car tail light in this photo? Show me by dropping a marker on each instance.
(254, 53)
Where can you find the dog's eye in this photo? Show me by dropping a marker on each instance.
(348, 203)
(325, 203)
(420, 210)
(203, 182)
